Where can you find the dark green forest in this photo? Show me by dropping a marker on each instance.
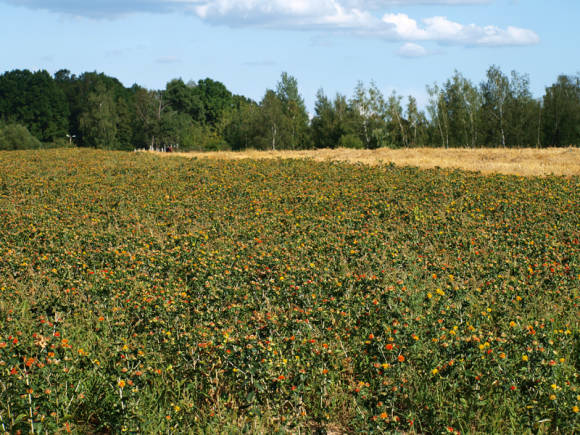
(95, 110)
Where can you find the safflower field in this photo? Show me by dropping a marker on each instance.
(164, 295)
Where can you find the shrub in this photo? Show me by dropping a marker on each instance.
(350, 141)
(60, 143)
(17, 137)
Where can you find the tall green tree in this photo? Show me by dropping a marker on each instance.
(240, 133)
(294, 110)
(215, 99)
(273, 122)
(418, 124)
(185, 99)
(345, 121)
(324, 123)
(522, 113)
(439, 113)
(98, 123)
(399, 125)
(334, 123)
(561, 112)
(457, 110)
(495, 92)
(462, 103)
(369, 108)
(152, 109)
(80, 92)
(473, 102)
(34, 100)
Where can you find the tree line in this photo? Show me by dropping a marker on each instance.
(95, 110)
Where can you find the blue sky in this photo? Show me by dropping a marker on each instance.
(402, 45)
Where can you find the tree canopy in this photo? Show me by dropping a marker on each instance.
(96, 110)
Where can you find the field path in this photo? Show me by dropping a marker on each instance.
(525, 162)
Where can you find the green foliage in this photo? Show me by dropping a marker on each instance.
(439, 113)
(323, 123)
(184, 99)
(369, 113)
(332, 121)
(98, 123)
(561, 114)
(241, 131)
(397, 125)
(463, 105)
(100, 112)
(59, 143)
(272, 122)
(294, 110)
(502, 112)
(169, 295)
(280, 120)
(17, 137)
(215, 98)
(350, 141)
(418, 124)
(495, 94)
(35, 101)
(522, 114)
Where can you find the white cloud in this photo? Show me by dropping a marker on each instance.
(495, 36)
(305, 14)
(442, 30)
(99, 8)
(378, 4)
(410, 49)
(403, 27)
(355, 16)
(358, 17)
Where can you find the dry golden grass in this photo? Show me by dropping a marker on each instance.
(525, 162)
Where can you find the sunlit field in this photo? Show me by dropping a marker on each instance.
(515, 161)
(171, 295)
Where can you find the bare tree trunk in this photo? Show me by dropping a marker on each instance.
(367, 140)
(402, 129)
(473, 130)
(539, 143)
(441, 132)
(501, 125)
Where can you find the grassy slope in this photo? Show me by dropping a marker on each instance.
(151, 294)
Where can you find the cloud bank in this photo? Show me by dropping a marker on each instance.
(99, 8)
(410, 49)
(355, 17)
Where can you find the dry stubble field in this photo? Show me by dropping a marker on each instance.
(523, 161)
